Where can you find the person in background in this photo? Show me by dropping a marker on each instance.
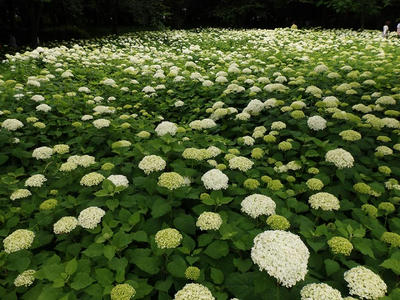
(398, 30)
(385, 32)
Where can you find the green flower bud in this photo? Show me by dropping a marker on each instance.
(221, 167)
(387, 207)
(277, 222)
(314, 184)
(53, 192)
(340, 245)
(384, 170)
(48, 204)
(251, 184)
(313, 170)
(370, 210)
(122, 292)
(204, 196)
(391, 238)
(107, 166)
(192, 273)
(234, 151)
(284, 146)
(275, 185)
(257, 153)
(266, 178)
(269, 138)
(290, 179)
(297, 114)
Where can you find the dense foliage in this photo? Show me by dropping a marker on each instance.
(65, 19)
(162, 165)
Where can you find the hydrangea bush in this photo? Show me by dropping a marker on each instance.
(210, 164)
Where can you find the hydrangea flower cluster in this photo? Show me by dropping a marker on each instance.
(282, 254)
(364, 283)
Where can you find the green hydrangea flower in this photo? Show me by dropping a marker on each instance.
(391, 238)
(251, 184)
(48, 204)
(269, 138)
(385, 170)
(257, 153)
(370, 210)
(284, 146)
(277, 222)
(192, 273)
(221, 167)
(313, 171)
(122, 292)
(314, 184)
(340, 245)
(107, 166)
(297, 114)
(387, 207)
(266, 178)
(275, 185)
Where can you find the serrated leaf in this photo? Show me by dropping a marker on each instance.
(81, 280)
(331, 266)
(217, 249)
(71, 266)
(217, 276)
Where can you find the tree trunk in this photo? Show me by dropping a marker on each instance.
(35, 13)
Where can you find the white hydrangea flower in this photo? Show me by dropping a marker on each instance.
(364, 283)
(26, 278)
(42, 153)
(119, 180)
(12, 124)
(282, 254)
(215, 180)
(65, 225)
(35, 180)
(241, 163)
(37, 98)
(320, 291)
(256, 205)
(324, 201)
(90, 217)
(18, 240)
(43, 107)
(340, 158)
(152, 163)
(166, 127)
(209, 221)
(194, 291)
(101, 123)
(19, 194)
(316, 123)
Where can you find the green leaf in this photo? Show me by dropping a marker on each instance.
(104, 276)
(217, 249)
(364, 246)
(393, 263)
(109, 251)
(18, 261)
(71, 266)
(147, 264)
(243, 265)
(94, 250)
(160, 208)
(164, 285)
(108, 186)
(81, 280)
(217, 276)
(140, 236)
(112, 204)
(185, 223)
(331, 266)
(121, 239)
(177, 267)
(50, 293)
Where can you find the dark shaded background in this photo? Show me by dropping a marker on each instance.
(32, 22)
